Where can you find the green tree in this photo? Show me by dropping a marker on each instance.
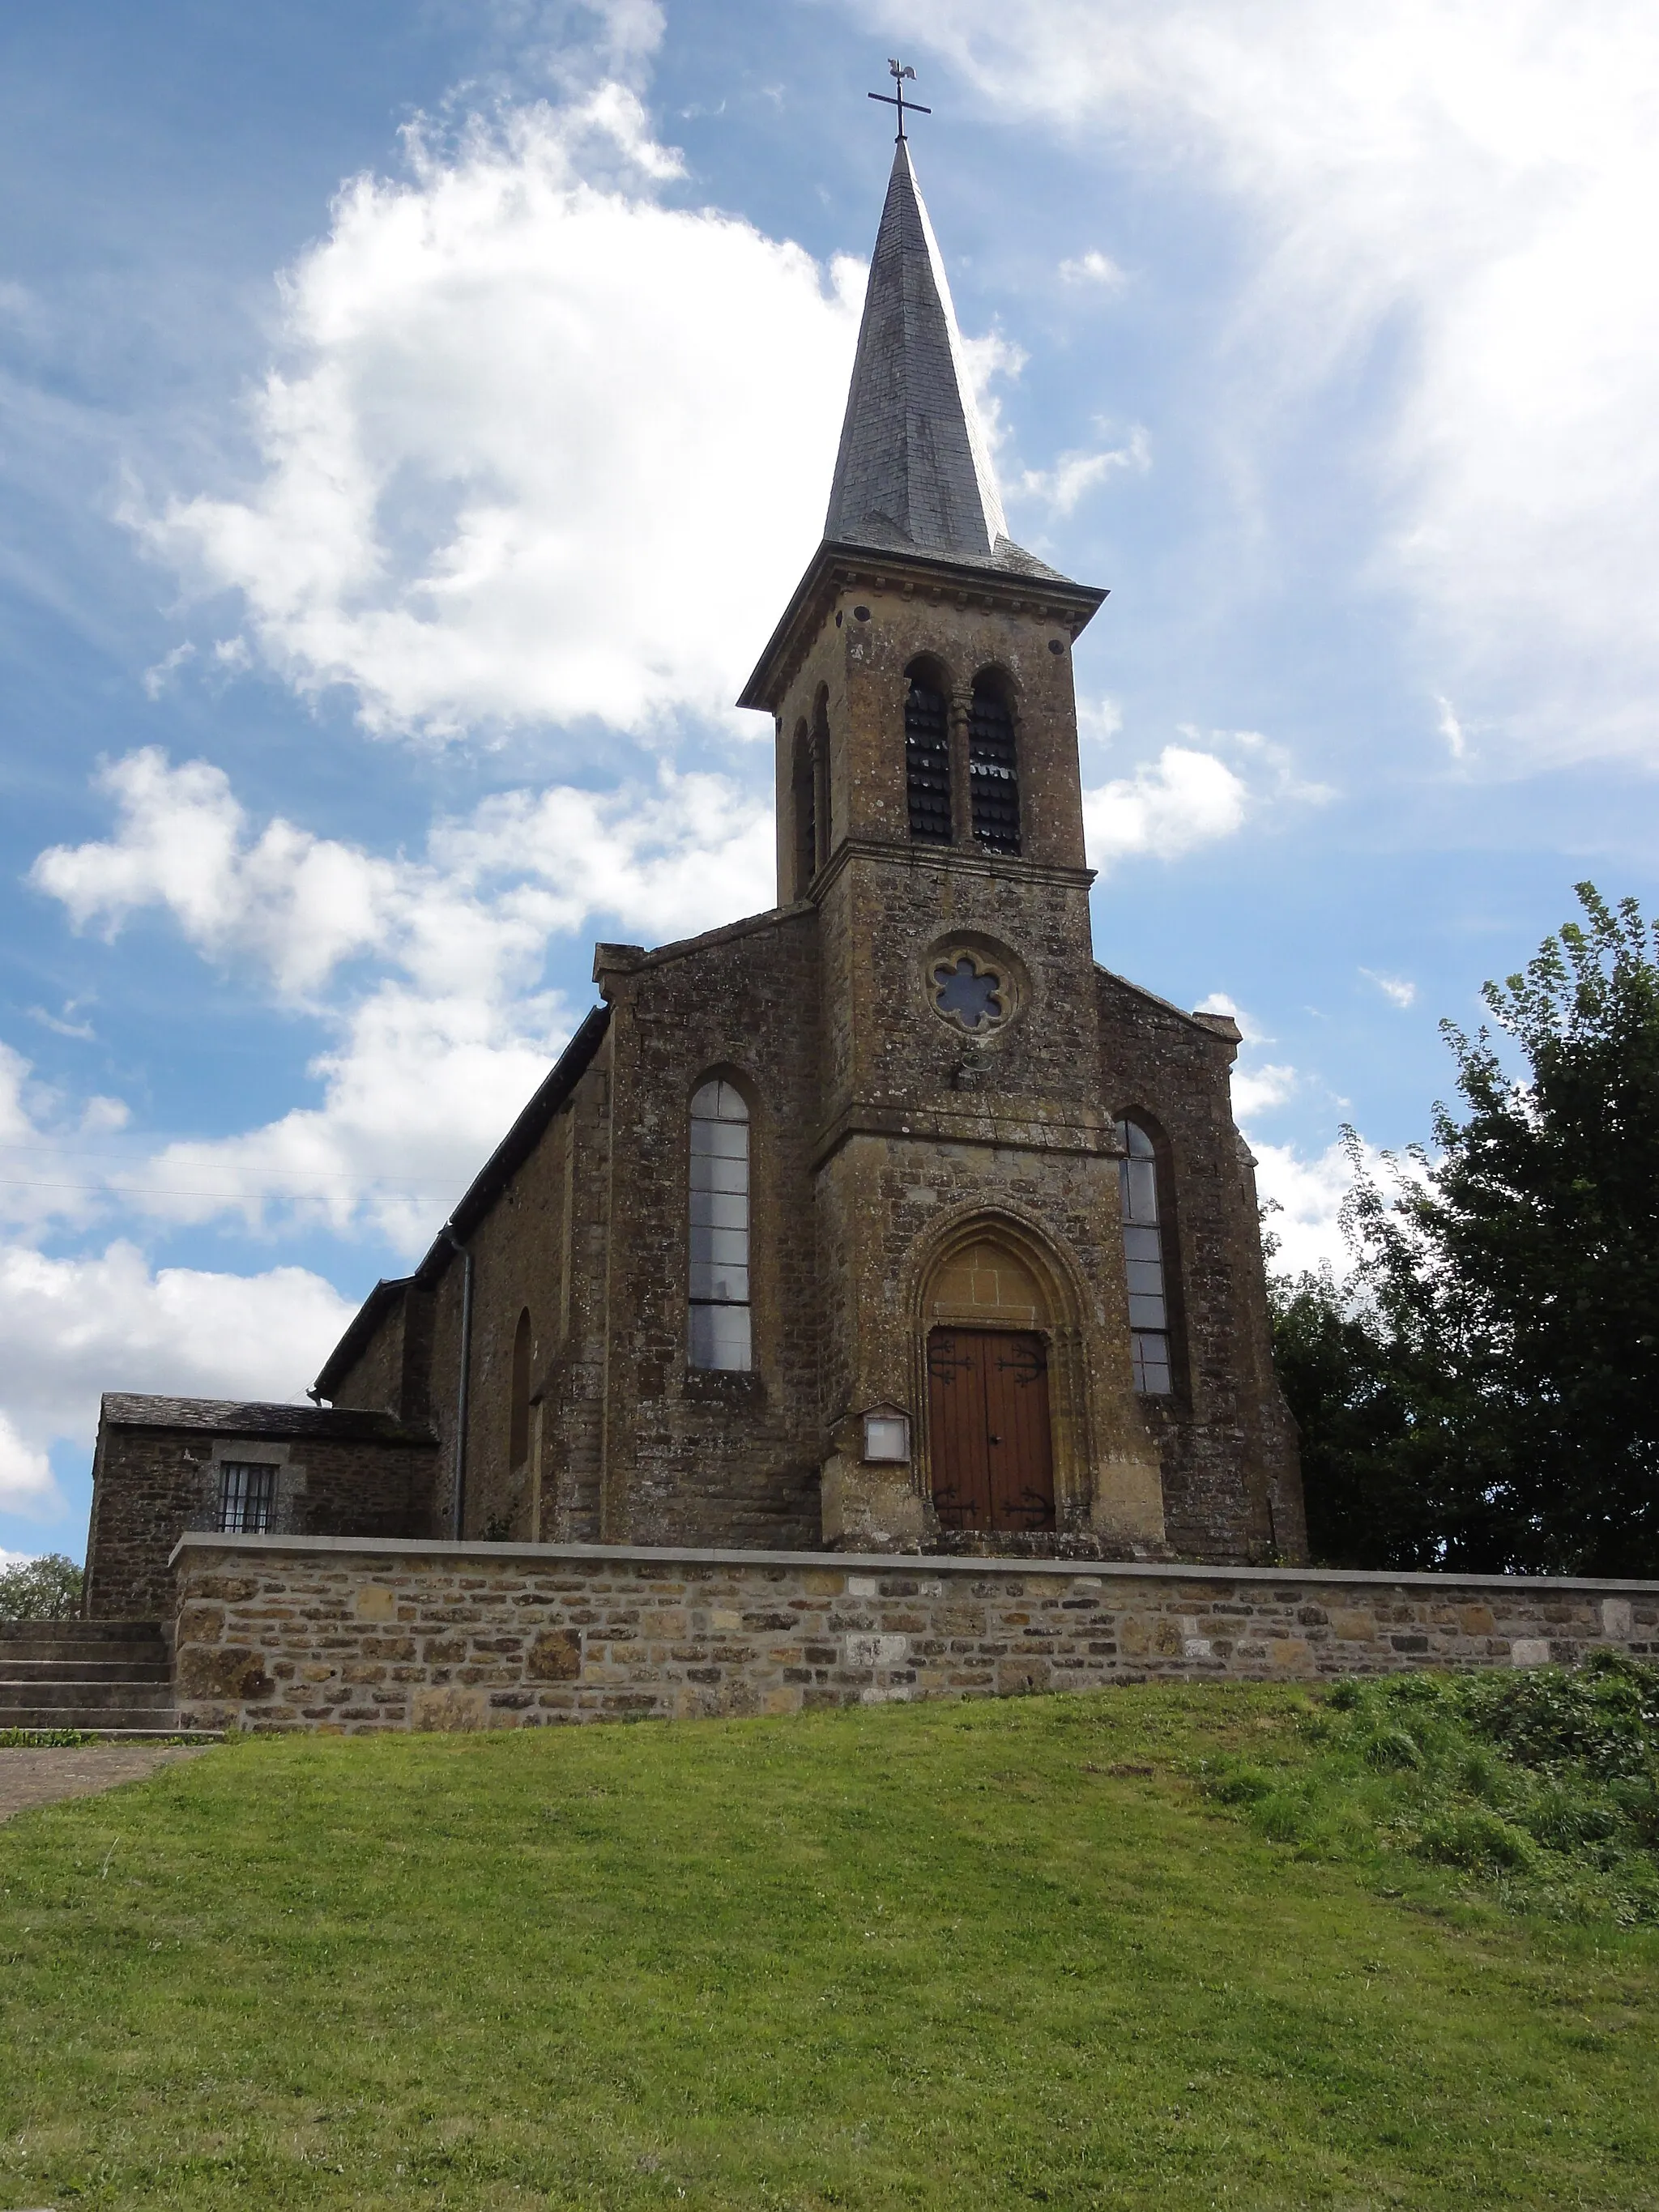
(46, 1589)
(1352, 1389)
(1483, 1392)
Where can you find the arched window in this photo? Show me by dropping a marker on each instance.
(518, 1445)
(1143, 1254)
(927, 758)
(718, 1328)
(993, 771)
(803, 784)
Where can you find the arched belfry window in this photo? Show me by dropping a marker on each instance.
(993, 769)
(928, 756)
(718, 1333)
(517, 1447)
(1143, 1255)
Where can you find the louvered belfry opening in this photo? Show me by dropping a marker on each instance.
(927, 760)
(993, 771)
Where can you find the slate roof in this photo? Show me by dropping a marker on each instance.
(231, 1416)
(913, 473)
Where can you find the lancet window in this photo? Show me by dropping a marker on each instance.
(928, 759)
(993, 769)
(719, 1320)
(1143, 1255)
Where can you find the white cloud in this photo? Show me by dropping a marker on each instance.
(437, 1047)
(681, 853)
(41, 1138)
(1093, 267)
(26, 1479)
(1191, 795)
(1061, 488)
(1309, 1196)
(1260, 1090)
(1457, 190)
(1166, 808)
(65, 1024)
(1098, 720)
(1451, 729)
(299, 904)
(156, 679)
(1396, 989)
(74, 1327)
(543, 448)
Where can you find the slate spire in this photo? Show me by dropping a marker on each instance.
(913, 473)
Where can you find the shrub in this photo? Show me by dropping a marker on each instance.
(1483, 1841)
(1542, 1786)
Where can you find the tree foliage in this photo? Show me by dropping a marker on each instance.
(47, 1588)
(1483, 1391)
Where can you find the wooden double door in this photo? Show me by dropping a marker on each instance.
(991, 1448)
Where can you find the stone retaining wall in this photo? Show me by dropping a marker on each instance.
(336, 1634)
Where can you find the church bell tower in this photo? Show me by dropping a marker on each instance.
(976, 1361)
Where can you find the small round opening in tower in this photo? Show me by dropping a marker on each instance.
(969, 991)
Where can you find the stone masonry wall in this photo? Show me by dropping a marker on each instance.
(325, 1634)
(152, 1483)
(1232, 1490)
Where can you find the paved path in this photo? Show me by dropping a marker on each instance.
(43, 1778)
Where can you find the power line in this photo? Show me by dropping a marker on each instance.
(169, 1190)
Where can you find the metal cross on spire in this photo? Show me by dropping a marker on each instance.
(900, 71)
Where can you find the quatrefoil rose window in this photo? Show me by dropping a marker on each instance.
(970, 992)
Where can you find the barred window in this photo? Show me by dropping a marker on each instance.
(718, 1324)
(247, 1499)
(993, 771)
(1143, 1255)
(927, 762)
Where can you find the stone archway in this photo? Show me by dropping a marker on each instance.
(994, 1363)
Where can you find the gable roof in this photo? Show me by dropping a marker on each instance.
(232, 1417)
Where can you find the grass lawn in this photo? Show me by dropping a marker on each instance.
(933, 1956)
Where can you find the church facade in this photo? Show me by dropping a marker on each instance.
(886, 1220)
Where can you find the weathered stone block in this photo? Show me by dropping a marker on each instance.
(229, 1671)
(450, 1709)
(555, 1656)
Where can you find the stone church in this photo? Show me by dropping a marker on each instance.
(885, 1220)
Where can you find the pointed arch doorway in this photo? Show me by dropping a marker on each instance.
(990, 1434)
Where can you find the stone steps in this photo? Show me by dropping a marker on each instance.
(111, 1678)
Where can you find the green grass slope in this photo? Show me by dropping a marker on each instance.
(936, 1956)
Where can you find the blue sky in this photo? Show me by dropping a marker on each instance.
(412, 418)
